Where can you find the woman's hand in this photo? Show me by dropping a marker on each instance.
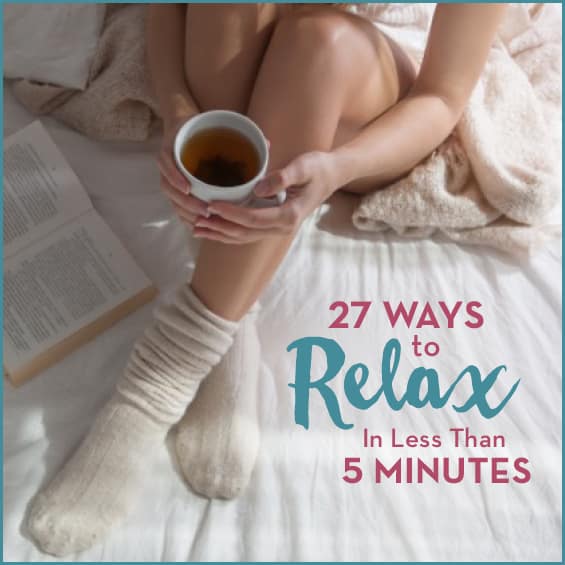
(308, 180)
(173, 183)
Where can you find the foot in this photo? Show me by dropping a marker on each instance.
(94, 490)
(218, 439)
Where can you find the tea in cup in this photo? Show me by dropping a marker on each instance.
(223, 155)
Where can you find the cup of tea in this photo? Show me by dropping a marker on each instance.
(224, 155)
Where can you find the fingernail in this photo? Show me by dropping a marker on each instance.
(206, 213)
(211, 210)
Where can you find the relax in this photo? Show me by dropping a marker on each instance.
(357, 375)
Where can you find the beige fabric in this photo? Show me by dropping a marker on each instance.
(96, 488)
(118, 103)
(218, 438)
(497, 177)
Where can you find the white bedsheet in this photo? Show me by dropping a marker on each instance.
(297, 508)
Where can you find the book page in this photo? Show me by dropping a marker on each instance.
(54, 287)
(41, 192)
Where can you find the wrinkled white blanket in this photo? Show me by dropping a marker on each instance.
(494, 180)
(298, 508)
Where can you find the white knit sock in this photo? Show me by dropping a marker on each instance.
(218, 438)
(95, 488)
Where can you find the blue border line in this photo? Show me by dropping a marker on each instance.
(2, 279)
(246, 2)
(2, 262)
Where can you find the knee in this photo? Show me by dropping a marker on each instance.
(316, 34)
(223, 13)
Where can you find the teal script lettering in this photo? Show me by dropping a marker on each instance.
(357, 376)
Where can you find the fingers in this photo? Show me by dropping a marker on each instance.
(185, 216)
(284, 217)
(272, 184)
(214, 236)
(221, 226)
(247, 236)
(294, 174)
(220, 229)
(184, 202)
(169, 170)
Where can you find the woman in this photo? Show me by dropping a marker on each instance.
(344, 108)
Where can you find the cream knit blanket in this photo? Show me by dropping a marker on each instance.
(498, 176)
(117, 103)
(492, 182)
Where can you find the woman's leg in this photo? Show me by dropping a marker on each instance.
(304, 92)
(307, 96)
(325, 74)
(224, 46)
(217, 441)
(303, 101)
(96, 487)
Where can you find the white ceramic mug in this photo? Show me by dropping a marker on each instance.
(239, 194)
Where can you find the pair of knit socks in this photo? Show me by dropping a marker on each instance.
(217, 439)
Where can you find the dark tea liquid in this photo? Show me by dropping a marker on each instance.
(221, 157)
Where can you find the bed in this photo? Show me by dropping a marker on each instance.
(297, 507)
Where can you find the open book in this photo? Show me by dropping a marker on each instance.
(66, 276)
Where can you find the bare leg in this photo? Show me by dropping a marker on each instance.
(218, 439)
(307, 94)
(225, 44)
